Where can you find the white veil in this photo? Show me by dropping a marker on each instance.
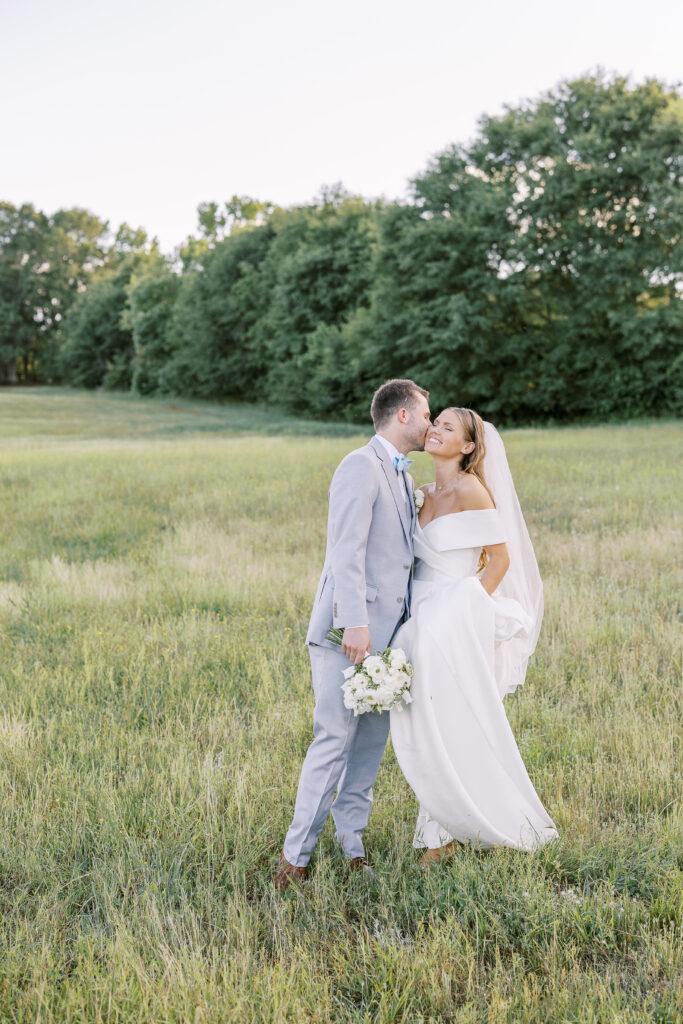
(522, 582)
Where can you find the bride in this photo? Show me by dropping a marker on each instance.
(476, 609)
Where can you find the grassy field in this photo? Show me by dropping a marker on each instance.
(157, 566)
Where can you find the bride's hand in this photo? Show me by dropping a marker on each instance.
(356, 643)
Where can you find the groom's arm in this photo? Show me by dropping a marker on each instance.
(353, 492)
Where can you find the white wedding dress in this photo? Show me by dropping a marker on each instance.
(453, 742)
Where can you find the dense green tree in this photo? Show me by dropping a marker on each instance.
(148, 315)
(98, 347)
(330, 373)
(318, 273)
(596, 213)
(434, 299)
(21, 233)
(535, 272)
(44, 262)
(214, 352)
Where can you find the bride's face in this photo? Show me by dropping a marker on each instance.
(446, 437)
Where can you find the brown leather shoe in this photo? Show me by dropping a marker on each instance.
(361, 864)
(287, 873)
(432, 857)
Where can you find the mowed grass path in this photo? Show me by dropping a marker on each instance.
(157, 565)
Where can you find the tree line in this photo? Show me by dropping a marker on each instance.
(533, 274)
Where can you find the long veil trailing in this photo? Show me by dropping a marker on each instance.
(522, 582)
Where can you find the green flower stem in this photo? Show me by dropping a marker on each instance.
(336, 636)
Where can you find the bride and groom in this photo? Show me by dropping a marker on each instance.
(457, 588)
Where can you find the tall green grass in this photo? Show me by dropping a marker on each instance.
(157, 565)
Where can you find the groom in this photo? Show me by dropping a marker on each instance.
(364, 589)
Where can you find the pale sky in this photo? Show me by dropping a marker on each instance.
(141, 109)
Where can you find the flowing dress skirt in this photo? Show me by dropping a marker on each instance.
(454, 743)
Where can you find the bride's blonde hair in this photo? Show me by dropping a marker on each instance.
(473, 462)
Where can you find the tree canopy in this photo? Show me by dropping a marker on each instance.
(533, 274)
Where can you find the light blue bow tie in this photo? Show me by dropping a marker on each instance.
(401, 463)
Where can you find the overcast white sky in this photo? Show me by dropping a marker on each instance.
(141, 109)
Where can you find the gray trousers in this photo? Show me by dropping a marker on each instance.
(344, 756)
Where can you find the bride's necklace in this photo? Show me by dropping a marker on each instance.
(447, 488)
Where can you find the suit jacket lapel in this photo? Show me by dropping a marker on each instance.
(392, 477)
(410, 487)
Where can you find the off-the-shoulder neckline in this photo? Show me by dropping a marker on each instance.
(462, 512)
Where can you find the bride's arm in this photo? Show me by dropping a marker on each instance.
(498, 564)
(474, 497)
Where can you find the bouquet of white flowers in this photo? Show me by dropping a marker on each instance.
(380, 683)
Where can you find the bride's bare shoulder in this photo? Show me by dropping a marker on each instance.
(472, 495)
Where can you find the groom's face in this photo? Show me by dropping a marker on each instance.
(418, 423)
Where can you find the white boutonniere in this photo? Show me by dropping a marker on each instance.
(419, 499)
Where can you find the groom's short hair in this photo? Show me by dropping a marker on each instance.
(390, 397)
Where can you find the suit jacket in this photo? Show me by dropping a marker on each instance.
(369, 557)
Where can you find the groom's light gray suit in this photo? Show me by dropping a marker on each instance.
(365, 580)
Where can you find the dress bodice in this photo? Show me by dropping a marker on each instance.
(447, 551)
(448, 548)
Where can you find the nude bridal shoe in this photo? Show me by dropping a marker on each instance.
(442, 853)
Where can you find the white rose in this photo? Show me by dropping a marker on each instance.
(397, 658)
(396, 679)
(375, 667)
(385, 695)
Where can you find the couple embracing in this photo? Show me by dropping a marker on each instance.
(448, 574)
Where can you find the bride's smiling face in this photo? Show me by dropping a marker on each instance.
(446, 437)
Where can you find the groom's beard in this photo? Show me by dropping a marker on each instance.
(418, 444)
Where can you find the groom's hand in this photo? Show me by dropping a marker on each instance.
(356, 643)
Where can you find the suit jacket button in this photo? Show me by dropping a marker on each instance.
(400, 600)
(407, 565)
